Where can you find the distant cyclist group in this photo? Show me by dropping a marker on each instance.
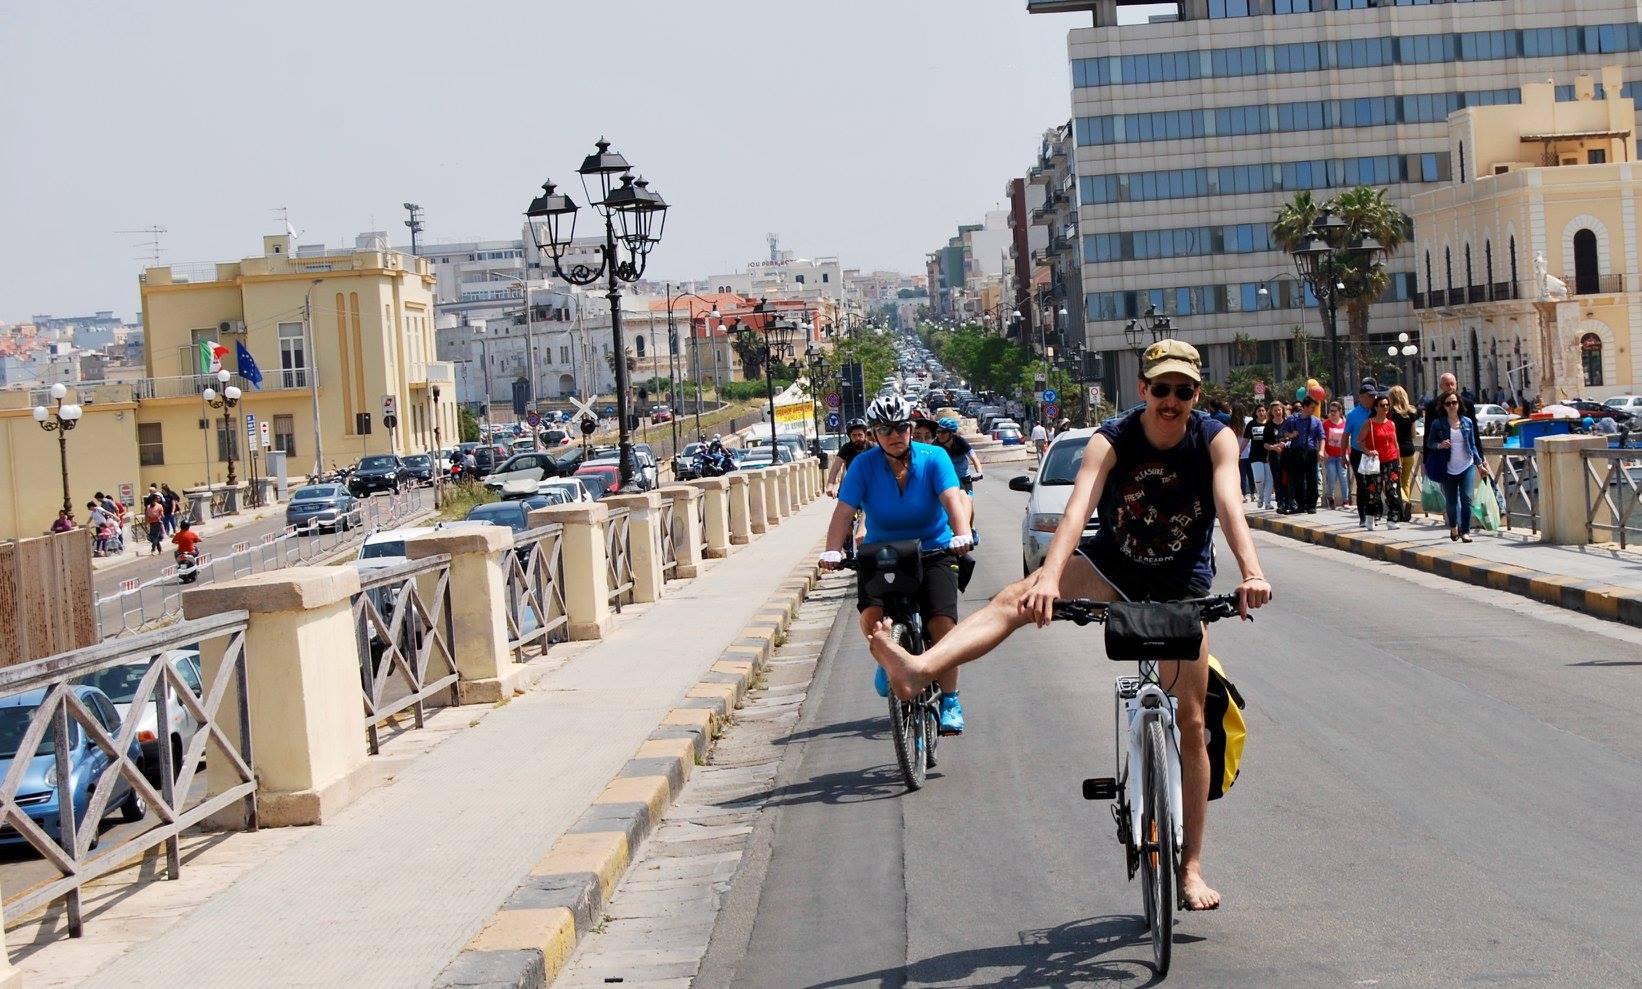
(1158, 476)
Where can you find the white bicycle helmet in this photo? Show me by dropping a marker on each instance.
(888, 410)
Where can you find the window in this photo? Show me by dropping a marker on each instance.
(1469, 280)
(150, 445)
(292, 356)
(1513, 247)
(564, 354)
(1587, 274)
(284, 433)
(1428, 285)
(1462, 163)
(1596, 156)
(1488, 263)
(1590, 358)
(227, 440)
(1448, 268)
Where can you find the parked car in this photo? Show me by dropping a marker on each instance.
(555, 437)
(645, 466)
(515, 513)
(1492, 419)
(37, 790)
(597, 483)
(1625, 403)
(486, 456)
(418, 469)
(794, 443)
(522, 465)
(389, 544)
(1049, 492)
(379, 472)
(1596, 410)
(572, 488)
(641, 477)
(322, 506)
(1009, 434)
(606, 472)
(120, 684)
(760, 459)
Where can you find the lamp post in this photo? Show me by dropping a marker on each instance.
(1405, 349)
(60, 420)
(530, 341)
(636, 210)
(1151, 323)
(1322, 264)
(818, 371)
(695, 350)
(777, 342)
(226, 401)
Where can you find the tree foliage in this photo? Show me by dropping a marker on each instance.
(467, 425)
(988, 362)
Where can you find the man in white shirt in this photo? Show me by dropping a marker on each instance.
(1040, 439)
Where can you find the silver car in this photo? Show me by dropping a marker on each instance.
(120, 684)
(1049, 491)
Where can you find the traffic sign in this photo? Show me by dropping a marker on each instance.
(1051, 410)
(833, 401)
(1050, 395)
(834, 420)
(534, 418)
(263, 427)
(251, 426)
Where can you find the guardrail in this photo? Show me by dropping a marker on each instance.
(618, 551)
(668, 534)
(1613, 496)
(1517, 473)
(140, 605)
(404, 632)
(98, 757)
(701, 526)
(536, 610)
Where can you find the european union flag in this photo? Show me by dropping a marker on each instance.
(247, 365)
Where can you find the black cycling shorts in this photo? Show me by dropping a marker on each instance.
(937, 596)
(1137, 584)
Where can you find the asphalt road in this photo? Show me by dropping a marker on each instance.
(1442, 786)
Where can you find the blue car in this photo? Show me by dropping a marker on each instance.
(37, 793)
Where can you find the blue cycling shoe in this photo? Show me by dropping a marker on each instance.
(952, 714)
(880, 682)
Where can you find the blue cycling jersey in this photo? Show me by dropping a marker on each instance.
(893, 513)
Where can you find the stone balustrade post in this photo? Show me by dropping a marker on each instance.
(773, 496)
(486, 672)
(644, 521)
(586, 566)
(306, 706)
(1562, 478)
(806, 478)
(738, 499)
(716, 491)
(758, 496)
(795, 497)
(680, 514)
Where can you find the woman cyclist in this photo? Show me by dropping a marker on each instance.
(964, 462)
(907, 491)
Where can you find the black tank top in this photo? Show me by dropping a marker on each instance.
(1157, 508)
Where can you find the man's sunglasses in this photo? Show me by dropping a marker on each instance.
(891, 430)
(1184, 393)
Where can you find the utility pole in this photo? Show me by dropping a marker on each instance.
(530, 358)
(311, 372)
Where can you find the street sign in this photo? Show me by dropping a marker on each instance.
(1260, 389)
(1050, 395)
(534, 418)
(833, 401)
(585, 408)
(263, 426)
(1050, 410)
(251, 427)
(1095, 394)
(834, 420)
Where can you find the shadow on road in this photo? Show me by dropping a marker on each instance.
(872, 729)
(848, 787)
(1069, 954)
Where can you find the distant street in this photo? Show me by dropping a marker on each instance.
(1441, 787)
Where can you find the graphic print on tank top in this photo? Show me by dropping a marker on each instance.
(1159, 513)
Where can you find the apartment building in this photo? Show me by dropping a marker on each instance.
(1191, 132)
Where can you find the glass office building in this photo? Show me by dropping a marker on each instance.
(1192, 132)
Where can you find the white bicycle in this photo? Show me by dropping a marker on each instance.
(1148, 803)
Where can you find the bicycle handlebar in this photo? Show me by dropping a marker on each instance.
(859, 563)
(1084, 611)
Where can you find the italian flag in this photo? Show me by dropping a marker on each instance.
(211, 355)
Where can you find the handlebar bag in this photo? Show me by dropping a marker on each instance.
(897, 568)
(1152, 630)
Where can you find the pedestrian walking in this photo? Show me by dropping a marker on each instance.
(1040, 439)
(1404, 415)
(1302, 438)
(1453, 459)
(154, 519)
(1274, 456)
(173, 505)
(1379, 491)
(64, 522)
(1336, 479)
(1245, 470)
(1255, 435)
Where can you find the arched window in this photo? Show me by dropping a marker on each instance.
(1514, 293)
(1587, 273)
(1448, 267)
(1488, 264)
(1470, 282)
(638, 344)
(1590, 358)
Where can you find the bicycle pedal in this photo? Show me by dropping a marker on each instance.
(1100, 788)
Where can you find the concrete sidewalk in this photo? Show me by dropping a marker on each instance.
(393, 889)
(1602, 580)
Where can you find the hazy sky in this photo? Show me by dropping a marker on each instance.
(866, 129)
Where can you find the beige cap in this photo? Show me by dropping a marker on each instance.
(1172, 357)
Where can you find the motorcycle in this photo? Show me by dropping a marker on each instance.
(188, 569)
(713, 465)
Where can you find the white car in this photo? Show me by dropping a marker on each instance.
(575, 491)
(386, 547)
(1492, 419)
(120, 684)
(1050, 490)
(1626, 403)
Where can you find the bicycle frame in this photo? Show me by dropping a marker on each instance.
(1138, 701)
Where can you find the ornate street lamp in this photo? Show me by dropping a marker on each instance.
(695, 352)
(777, 344)
(634, 218)
(60, 420)
(1322, 266)
(226, 401)
(818, 372)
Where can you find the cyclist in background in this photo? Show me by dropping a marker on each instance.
(908, 491)
(859, 442)
(1159, 477)
(964, 462)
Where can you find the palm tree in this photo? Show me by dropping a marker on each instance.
(1367, 213)
(1293, 223)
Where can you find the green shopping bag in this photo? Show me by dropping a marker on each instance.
(1485, 505)
(1431, 498)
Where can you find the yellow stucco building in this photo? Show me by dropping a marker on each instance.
(1541, 180)
(367, 344)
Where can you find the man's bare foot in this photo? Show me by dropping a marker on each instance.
(905, 677)
(1195, 891)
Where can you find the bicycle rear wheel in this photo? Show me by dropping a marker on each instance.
(1157, 853)
(906, 727)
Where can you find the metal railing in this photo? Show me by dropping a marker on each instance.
(144, 604)
(98, 757)
(536, 613)
(618, 551)
(1516, 471)
(1613, 495)
(405, 636)
(669, 543)
(701, 524)
(1600, 285)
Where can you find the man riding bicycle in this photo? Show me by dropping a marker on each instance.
(1160, 475)
(859, 443)
(964, 462)
(908, 491)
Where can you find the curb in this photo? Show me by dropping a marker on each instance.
(527, 942)
(1596, 598)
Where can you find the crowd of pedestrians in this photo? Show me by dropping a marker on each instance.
(108, 519)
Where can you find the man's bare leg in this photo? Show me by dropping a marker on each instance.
(977, 634)
(1189, 683)
(939, 628)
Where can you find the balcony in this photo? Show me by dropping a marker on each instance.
(1502, 292)
(1436, 299)
(1600, 285)
(1476, 293)
(431, 373)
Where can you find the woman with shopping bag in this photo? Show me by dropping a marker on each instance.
(1453, 458)
(1378, 488)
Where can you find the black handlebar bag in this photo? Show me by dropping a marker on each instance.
(1152, 631)
(897, 568)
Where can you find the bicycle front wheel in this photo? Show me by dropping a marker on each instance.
(1157, 853)
(906, 727)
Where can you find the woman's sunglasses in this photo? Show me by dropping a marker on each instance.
(1450, 404)
(1184, 393)
(892, 429)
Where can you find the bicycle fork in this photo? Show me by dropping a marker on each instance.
(1137, 705)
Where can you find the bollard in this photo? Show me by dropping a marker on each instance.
(739, 503)
(806, 480)
(757, 502)
(1563, 509)
(303, 692)
(789, 479)
(644, 521)
(716, 490)
(680, 513)
(586, 567)
(486, 672)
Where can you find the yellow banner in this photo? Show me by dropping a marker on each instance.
(792, 415)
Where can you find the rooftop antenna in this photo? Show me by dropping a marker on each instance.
(775, 246)
(150, 243)
(285, 221)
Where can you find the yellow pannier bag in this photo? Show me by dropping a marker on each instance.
(1224, 730)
